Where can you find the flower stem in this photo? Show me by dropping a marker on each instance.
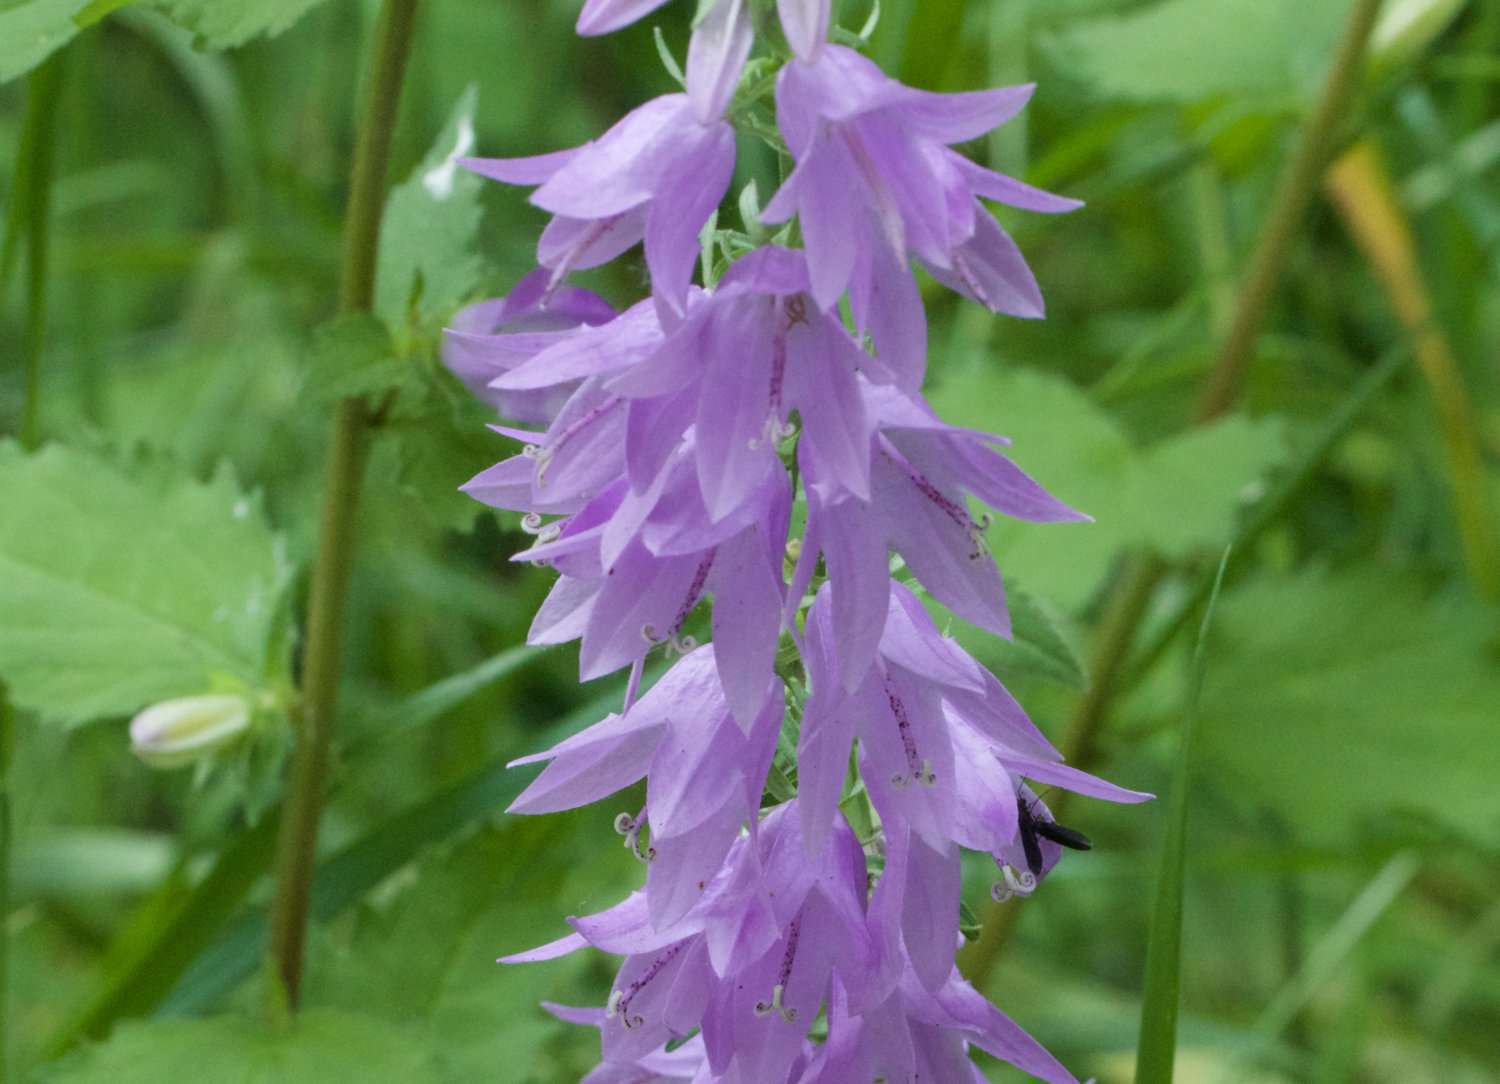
(297, 842)
(1133, 591)
(7, 743)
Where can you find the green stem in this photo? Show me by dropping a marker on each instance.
(297, 842)
(1133, 591)
(30, 214)
(1299, 183)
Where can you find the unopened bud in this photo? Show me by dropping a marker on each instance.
(175, 733)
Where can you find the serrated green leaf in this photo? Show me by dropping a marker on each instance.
(1189, 50)
(182, 588)
(428, 263)
(1177, 495)
(1036, 646)
(30, 32)
(428, 956)
(320, 1047)
(225, 24)
(353, 355)
(1340, 697)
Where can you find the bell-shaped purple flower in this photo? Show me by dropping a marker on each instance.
(658, 174)
(875, 168)
(704, 775)
(683, 1063)
(921, 471)
(751, 963)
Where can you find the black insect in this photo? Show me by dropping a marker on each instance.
(1033, 829)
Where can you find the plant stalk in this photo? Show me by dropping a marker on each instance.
(322, 654)
(1134, 589)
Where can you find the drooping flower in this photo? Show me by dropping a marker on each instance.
(656, 175)
(875, 169)
(704, 775)
(921, 471)
(751, 963)
(489, 338)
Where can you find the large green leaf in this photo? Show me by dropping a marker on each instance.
(121, 588)
(321, 1047)
(1178, 495)
(32, 31)
(428, 263)
(224, 24)
(1187, 50)
(1338, 697)
(427, 957)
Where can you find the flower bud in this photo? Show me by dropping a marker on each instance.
(175, 733)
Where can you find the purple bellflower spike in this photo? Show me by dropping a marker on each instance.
(920, 472)
(874, 168)
(658, 174)
(490, 338)
(704, 776)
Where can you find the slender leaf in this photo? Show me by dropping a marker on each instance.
(1157, 1049)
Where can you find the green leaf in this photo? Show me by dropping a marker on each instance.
(1343, 695)
(30, 32)
(321, 1046)
(353, 355)
(427, 957)
(117, 589)
(428, 263)
(1188, 50)
(225, 24)
(1036, 646)
(1157, 1049)
(1179, 495)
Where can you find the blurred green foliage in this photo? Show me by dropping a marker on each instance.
(1353, 677)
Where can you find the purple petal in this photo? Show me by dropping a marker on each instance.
(995, 1033)
(605, 16)
(990, 269)
(681, 206)
(929, 912)
(1008, 190)
(998, 715)
(941, 543)
(626, 340)
(576, 244)
(859, 577)
(535, 169)
(640, 592)
(770, 269)
(1080, 782)
(805, 23)
(716, 55)
(623, 167)
(734, 406)
(565, 612)
(822, 763)
(550, 951)
(586, 774)
(697, 764)
(819, 191)
(911, 639)
(686, 863)
(1006, 488)
(885, 302)
(958, 118)
(821, 362)
(654, 430)
(747, 593)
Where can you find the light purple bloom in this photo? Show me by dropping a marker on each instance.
(489, 338)
(943, 747)
(921, 471)
(685, 1062)
(875, 169)
(658, 174)
(704, 776)
(751, 963)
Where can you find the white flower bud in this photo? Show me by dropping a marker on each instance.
(175, 733)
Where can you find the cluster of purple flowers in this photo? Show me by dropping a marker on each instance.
(772, 944)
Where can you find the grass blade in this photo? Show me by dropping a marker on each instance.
(1157, 1048)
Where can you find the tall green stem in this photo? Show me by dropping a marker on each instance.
(297, 843)
(1131, 596)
